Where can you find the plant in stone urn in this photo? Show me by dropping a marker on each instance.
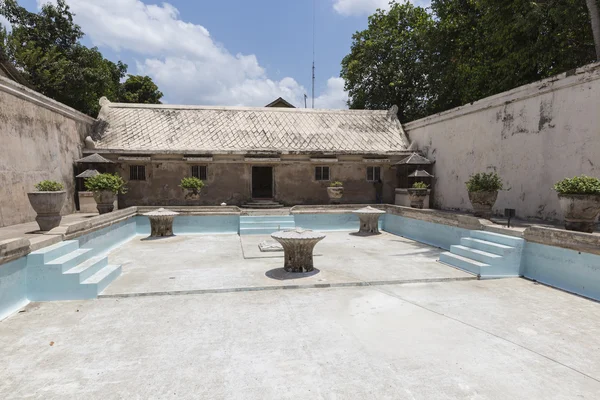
(483, 191)
(106, 187)
(417, 194)
(579, 199)
(335, 191)
(192, 186)
(47, 202)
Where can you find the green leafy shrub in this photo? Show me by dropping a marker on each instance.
(191, 183)
(49, 186)
(482, 182)
(112, 183)
(420, 185)
(336, 184)
(578, 185)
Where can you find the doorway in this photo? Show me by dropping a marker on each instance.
(262, 182)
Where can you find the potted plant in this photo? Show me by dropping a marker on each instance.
(47, 202)
(483, 191)
(192, 186)
(335, 191)
(105, 188)
(579, 199)
(417, 194)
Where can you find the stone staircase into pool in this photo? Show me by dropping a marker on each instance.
(265, 224)
(486, 254)
(66, 272)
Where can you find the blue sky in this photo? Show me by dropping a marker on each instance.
(234, 52)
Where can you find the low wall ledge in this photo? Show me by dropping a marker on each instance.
(578, 241)
(12, 249)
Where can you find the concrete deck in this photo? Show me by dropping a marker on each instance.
(505, 339)
(31, 230)
(229, 262)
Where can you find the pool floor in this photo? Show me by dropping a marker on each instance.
(232, 262)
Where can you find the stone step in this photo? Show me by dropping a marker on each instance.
(262, 205)
(477, 255)
(263, 230)
(88, 268)
(103, 278)
(484, 245)
(464, 263)
(70, 260)
(50, 253)
(498, 238)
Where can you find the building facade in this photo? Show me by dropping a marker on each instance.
(288, 155)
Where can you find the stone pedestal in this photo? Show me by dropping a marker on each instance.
(369, 220)
(298, 248)
(161, 222)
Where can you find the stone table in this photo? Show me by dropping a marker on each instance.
(161, 222)
(369, 220)
(298, 248)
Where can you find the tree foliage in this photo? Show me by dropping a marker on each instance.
(140, 89)
(459, 51)
(46, 48)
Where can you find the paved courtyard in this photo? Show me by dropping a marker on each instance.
(442, 338)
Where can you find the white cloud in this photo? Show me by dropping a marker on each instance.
(367, 7)
(186, 63)
(334, 96)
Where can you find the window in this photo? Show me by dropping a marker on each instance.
(137, 172)
(373, 174)
(199, 171)
(321, 173)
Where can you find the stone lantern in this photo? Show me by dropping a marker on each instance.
(414, 168)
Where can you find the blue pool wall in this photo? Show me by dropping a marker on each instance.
(195, 224)
(437, 235)
(330, 222)
(566, 269)
(106, 239)
(13, 286)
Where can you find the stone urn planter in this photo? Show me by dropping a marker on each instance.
(417, 197)
(580, 211)
(105, 200)
(192, 194)
(483, 202)
(47, 205)
(335, 192)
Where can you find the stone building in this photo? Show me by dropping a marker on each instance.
(288, 155)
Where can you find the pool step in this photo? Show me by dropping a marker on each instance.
(265, 224)
(487, 254)
(75, 275)
(463, 263)
(50, 253)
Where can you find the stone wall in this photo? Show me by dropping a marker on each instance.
(229, 180)
(39, 139)
(532, 136)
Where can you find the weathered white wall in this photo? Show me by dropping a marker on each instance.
(39, 139)
(533, 136)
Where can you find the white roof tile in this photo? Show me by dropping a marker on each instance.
(196, 130)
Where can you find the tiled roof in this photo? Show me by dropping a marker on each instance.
(94, 159)
(217, 130)
(414, 159)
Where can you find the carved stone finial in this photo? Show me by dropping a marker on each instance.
(89, 143)
(393, 112)
(104, 101)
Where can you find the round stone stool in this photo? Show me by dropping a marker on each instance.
(369, 220)
(298, 248)
(161, 222)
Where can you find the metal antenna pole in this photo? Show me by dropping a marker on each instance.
(313, 63)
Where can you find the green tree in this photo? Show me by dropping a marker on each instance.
(462, 51)
(46, 48)
(140, 89)
(388, 62)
